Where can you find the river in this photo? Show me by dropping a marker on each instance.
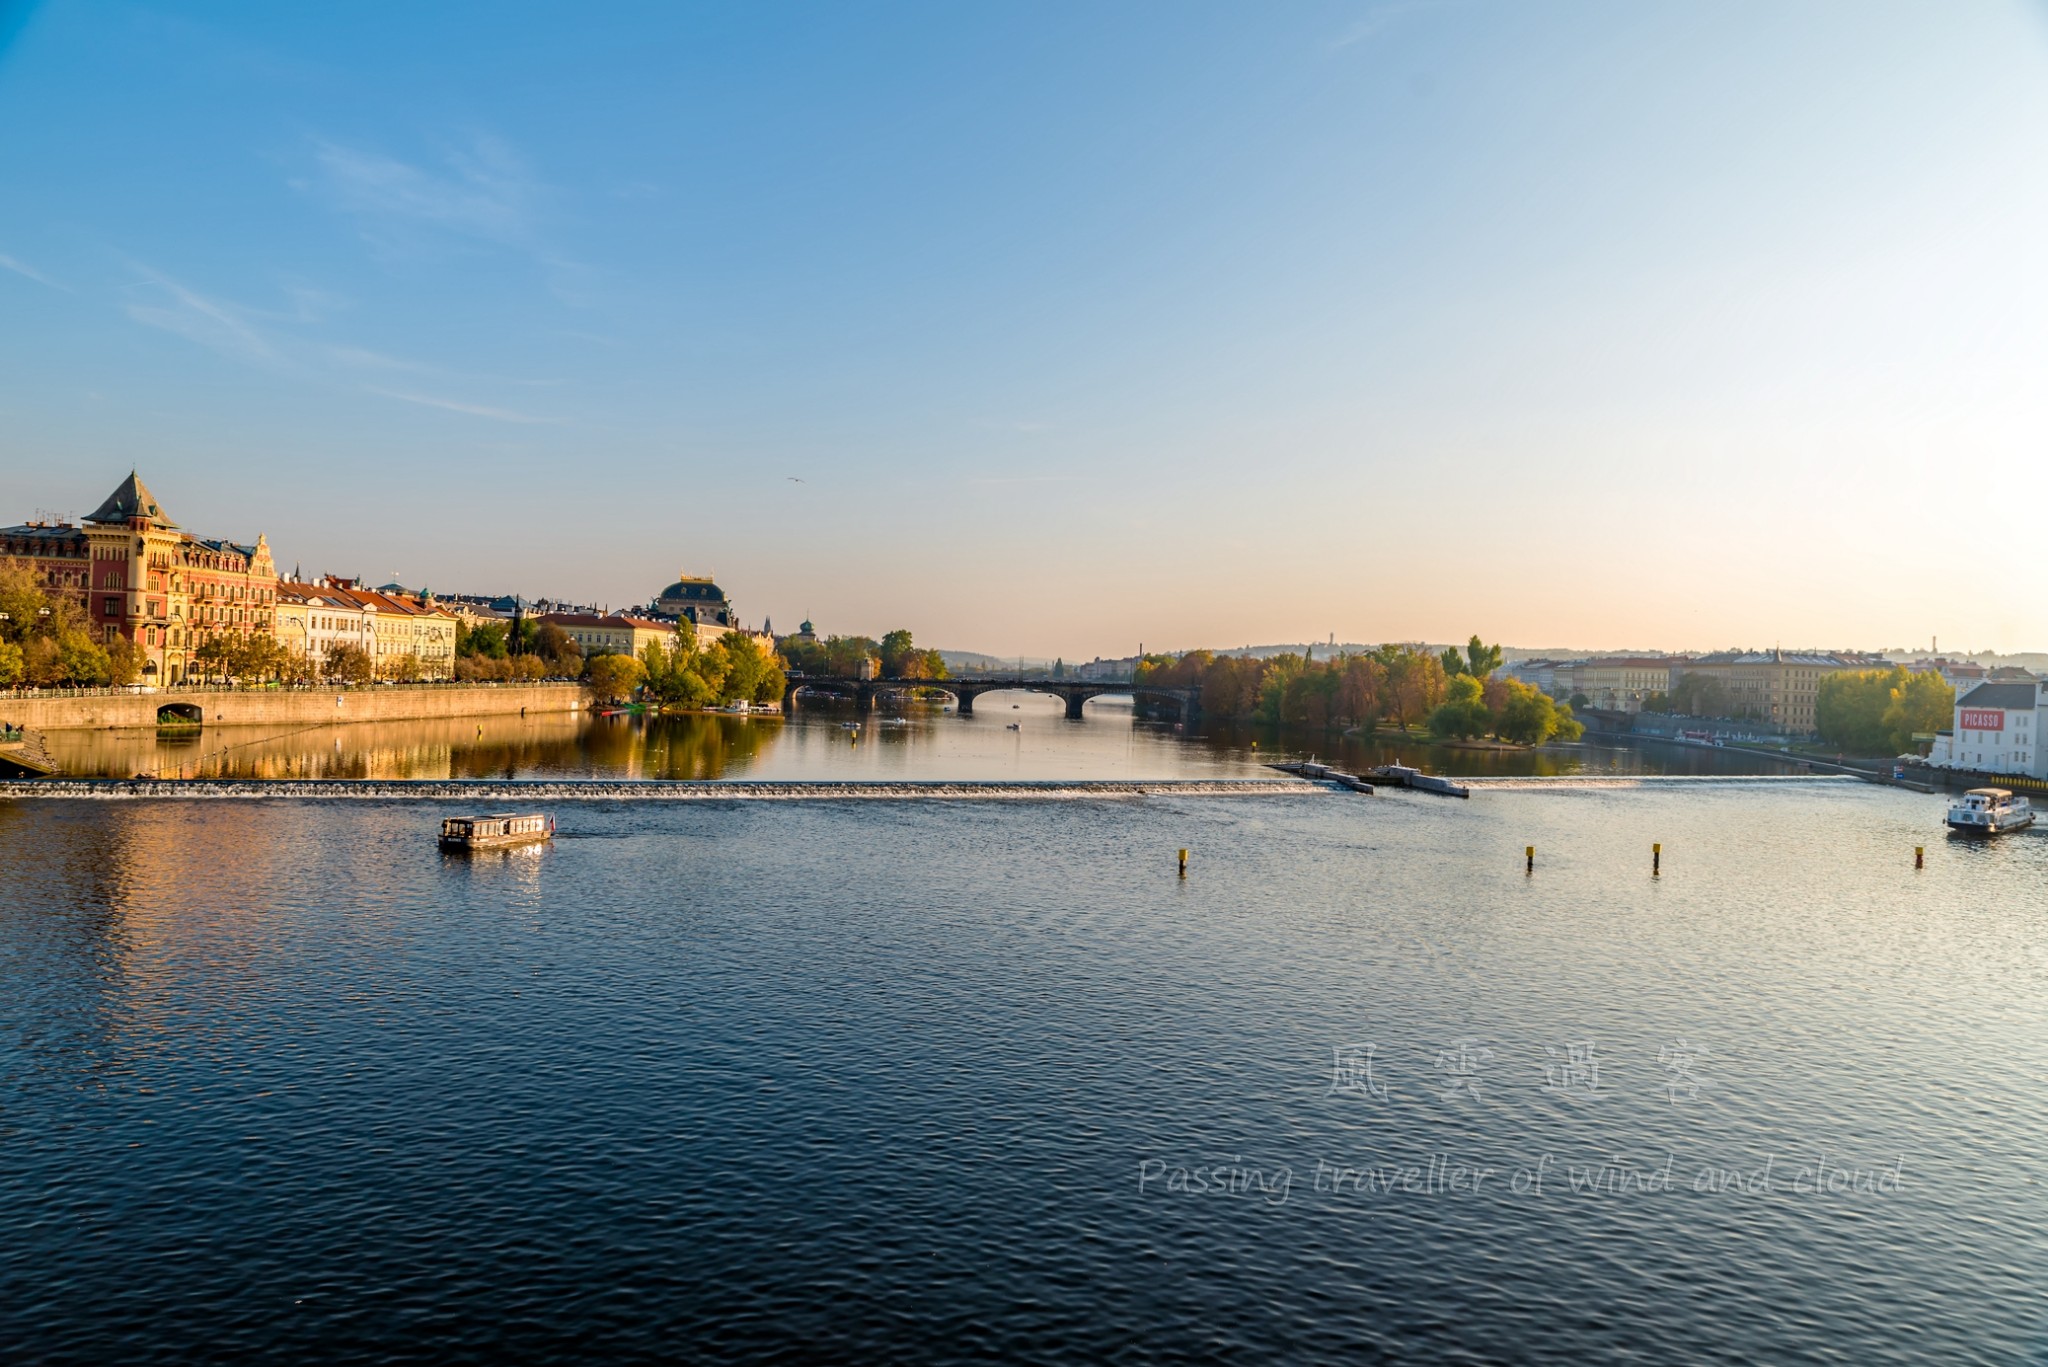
(930, 1081)
(915, 742)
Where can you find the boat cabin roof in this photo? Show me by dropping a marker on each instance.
(1989, 792)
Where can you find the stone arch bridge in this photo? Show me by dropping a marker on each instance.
(1074, 692)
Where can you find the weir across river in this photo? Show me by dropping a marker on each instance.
(498, 792)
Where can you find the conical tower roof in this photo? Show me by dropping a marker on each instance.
(132, 499)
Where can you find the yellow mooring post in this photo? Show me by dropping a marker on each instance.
(1529, 853)
(1656, 860)
(1183, 863)
(1919, 856)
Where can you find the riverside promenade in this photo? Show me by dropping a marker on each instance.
(646, 790)
(104, 709)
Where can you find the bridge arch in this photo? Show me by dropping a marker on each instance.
(1183, 703)
(179, 714)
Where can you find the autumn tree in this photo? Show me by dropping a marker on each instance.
(612, 678)
(348, 664)
(124, 662)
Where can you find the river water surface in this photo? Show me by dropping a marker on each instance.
(918, 742)
(925, 1081)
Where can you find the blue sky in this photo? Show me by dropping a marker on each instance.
(1081, 325)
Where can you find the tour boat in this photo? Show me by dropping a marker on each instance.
(494, 832)
(1990, 811)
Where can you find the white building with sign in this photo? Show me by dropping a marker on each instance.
(1997, 730)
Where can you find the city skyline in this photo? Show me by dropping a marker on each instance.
(1052, 333)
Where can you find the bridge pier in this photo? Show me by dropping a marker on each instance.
(1076, 700)
(966, 703)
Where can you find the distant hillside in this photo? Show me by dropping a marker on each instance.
(975, 660)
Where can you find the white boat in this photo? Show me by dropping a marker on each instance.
(495, 832)
(1990, 811)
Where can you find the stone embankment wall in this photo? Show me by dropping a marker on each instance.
(685, 790)
(296, 706)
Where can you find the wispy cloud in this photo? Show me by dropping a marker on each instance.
(266, 339)
(213, 323)
(364, 359)
(486, 192)
(1378, 20)
(22, 268)
(474, 410)
(478, 194)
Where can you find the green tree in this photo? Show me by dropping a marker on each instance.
(895, 649)
(523, 636)
(1921, 703)
(1279, 675)
(612, 678)
(1850, 706)
(1699, 695)
(1529, 716)
(1463, 713)
(773, 682)
(486, 640)
(12, 665)
(745, 663)
(1478, 659)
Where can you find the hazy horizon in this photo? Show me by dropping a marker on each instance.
(1060, 328)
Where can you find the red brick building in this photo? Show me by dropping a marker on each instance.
(141, 576)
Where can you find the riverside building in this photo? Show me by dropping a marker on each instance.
(1996, 730)
(141, 577)
(403, 636)
(1617, 683)
(613, 635)
(1777, 686)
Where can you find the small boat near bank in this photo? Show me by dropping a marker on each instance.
(498, 831)
(1989, 811)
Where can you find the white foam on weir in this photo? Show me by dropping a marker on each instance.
(684, 790)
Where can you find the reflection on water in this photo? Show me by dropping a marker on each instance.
(817, 742)
(281, 1082)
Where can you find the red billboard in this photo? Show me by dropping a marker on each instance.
(1983, 719)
